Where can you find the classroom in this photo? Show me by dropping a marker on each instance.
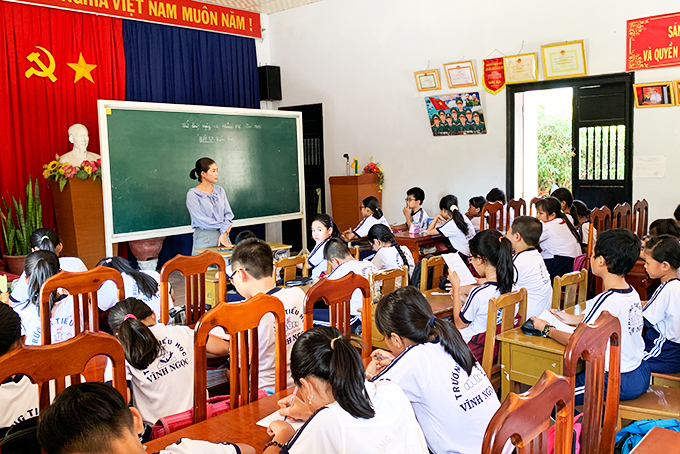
(165, 267)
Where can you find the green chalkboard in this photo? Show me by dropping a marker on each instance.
(150, 153)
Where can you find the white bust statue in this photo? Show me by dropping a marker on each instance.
(77, 135)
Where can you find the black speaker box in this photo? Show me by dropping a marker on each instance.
(270, 83)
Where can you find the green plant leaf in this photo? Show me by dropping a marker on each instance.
(62, 183)
(82, 175)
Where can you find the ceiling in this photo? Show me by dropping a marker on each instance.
(262, 6)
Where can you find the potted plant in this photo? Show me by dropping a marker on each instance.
(17, 235)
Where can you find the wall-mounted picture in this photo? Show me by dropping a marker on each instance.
(455, 115)
(676, 84)
(520, 68)
(428, 80)
(655, 94)
(566, 59)
(460, 74)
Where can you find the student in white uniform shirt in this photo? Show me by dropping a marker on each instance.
(343, 413)
(491, 255)
(343, 263)
(323, 228)
(143, 285)
(372, 214)
(38, 267)
(433, 365)
(159, 360)
(475, 205)
(45, 239)
(18, 396)
(456, 227)
(530, 270)
(559, 241)
(581, 215)
(614, 256)
(388, 253)
(566, 201)
(93, 417)
(414, 213)
(662, 311)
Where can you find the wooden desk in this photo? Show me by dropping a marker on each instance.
(442, 305)
(236, 426)
(658, 440)
(414, 241)
(226, 252)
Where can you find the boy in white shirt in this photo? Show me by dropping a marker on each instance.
(413, 212)
(614, 256)
(530, 270)
(89, 418)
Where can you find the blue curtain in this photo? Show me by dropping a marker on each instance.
(186, 66)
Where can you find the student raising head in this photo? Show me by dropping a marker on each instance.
(475, 206)
(388, 253)
(340, 407)
(491, 256)
(559, 241)
(372, 214)
(323, 228)
(431, 362)
(451, 223)
(413, 211)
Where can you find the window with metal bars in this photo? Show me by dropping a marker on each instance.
(602, 152)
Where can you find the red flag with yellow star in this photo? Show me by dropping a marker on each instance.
(58, 63)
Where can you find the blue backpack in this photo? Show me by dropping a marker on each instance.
(630, 436)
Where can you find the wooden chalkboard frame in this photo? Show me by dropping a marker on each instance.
(105, 106)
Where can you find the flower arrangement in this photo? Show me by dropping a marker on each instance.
(63, 172)
(372, 167)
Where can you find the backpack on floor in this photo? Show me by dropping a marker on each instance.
(628, 437)
(576, 441)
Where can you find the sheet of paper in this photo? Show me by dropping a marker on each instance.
(455, 263)
(651, 166)
(556, 322)
(264, 422)
(3, 283)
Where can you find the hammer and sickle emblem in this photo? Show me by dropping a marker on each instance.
(45, 71)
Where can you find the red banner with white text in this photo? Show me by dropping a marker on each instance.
(653, 42)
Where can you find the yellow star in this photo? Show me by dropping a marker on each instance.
(82, 69)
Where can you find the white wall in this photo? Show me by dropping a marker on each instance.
(357, 57)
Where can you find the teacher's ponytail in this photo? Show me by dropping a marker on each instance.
(202, 165)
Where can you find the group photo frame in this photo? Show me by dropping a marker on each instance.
(456, 114)
(655, 94)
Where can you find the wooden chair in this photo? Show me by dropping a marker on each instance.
(525, 419)
(622, 216)
(506, 304)
(518, 207)
(600, 220)
(355, 251)
(640, 218)
(389, 280)
(82, 287)
(492, 213)
(69, 358)
(240, 321)
(290, 266)
(436, 263)
(532, 204)
(589, 343)
(193, 268)
(570, 289)
(336, 294)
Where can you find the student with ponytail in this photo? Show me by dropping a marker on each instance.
(323, 228)
(491, 256)
(431, 362)
(453, 225)
(343, 412)
(388, 253)
(560, 243)
(372, 215)
(581, 215)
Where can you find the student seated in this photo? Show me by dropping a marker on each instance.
(388, 253)
(613, 257)
(566, 200)
(676, 213)
(559, 241)
(473, 213)
(342, 263)
(662, 311)
(431, 362)
(665, 227)
(581, 215)
(496, 195)
(451, 223)
(323, 228)
(530, 270)
(93, 418)
(413, 211)
(343, 412)
(372, 214)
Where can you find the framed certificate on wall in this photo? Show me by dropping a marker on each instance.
(520, 68)
(428, 80)
(460, 74)
(566, 59)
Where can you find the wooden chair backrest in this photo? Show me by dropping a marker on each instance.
(600, 220)
(240, 321)
(83, 287)
(355, 250)
(437, 264)
(290, 266)
(193, 269)
(532, 204)
(518, 207)
(69, 358)
(525, 418)
(492, 214)
(570, 289)
(641, 217)
(622, 216)
(589, 343)
(336, 293)
(390, 279)
(506, 304)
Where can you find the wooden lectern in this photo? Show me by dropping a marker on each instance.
(346, 196)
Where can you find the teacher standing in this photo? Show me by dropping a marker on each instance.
(211, 215)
